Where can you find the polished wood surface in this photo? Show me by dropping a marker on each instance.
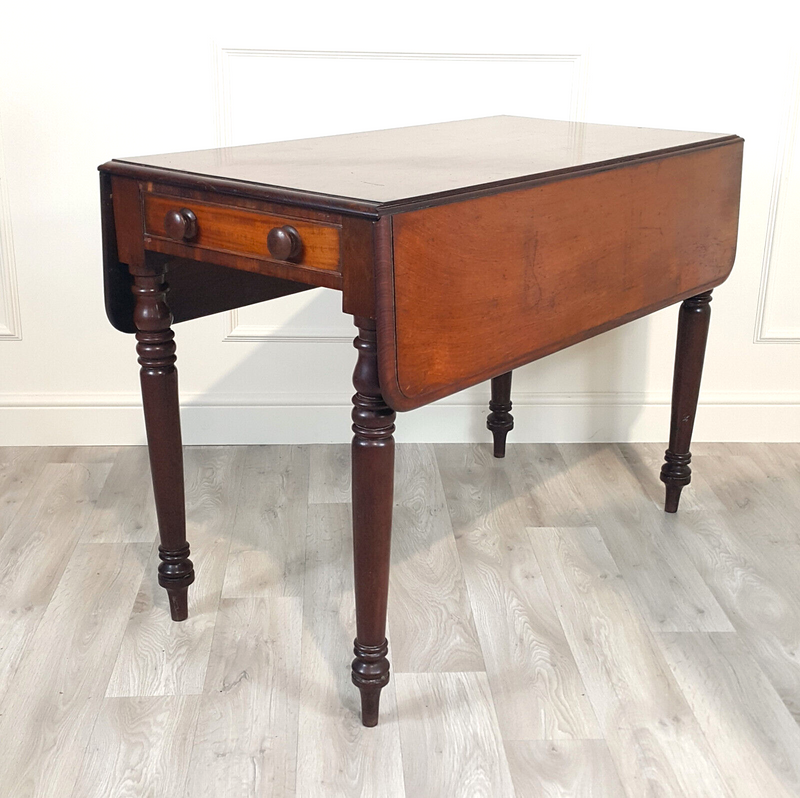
(180, 224)
(372, 457)
(392, 168)
(239, 231)
(693, 321)
(196, 289)
(285, 243)
(500, 421)
(159, 380)
(463, 250)
(469, 290)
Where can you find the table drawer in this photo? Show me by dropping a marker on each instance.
(242, 231)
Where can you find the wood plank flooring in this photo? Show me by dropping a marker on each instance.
(552, 631)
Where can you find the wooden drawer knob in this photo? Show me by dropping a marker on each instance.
(181, 225)
(284, 243)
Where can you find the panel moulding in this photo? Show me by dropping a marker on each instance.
(766, 330)
(234, 330)
(10, 326)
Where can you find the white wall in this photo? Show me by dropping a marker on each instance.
(82, 84)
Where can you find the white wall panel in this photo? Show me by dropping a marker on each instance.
(778, 318)
(391, 90)
(10, 326)
(148, 78)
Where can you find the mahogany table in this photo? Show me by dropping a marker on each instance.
(462, 250)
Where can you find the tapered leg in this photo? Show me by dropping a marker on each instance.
(500, 421)
(693, 320)
(373, 488)
(159, 379)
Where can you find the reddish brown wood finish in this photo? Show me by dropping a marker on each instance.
(358, 267)
(389, 171)
(240, 231)
(196, 289)
(159, 379)
(284, 243)
(224, 187)
(180, 224)
(693, 320)
(373, 487)
(500, 421)
(126, 203)
(473, 288)
(463, 250)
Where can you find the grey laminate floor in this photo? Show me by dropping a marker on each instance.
(552, 632)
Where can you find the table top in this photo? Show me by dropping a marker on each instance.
(386, 167)
(477, 246)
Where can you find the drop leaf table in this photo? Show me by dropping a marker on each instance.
(463, 250)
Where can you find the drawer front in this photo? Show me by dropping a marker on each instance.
(242, 231)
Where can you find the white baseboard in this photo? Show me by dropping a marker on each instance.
(116, 419)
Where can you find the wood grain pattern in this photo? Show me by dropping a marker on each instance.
(286, 278)
(15, 634)
(763, 504)
(752, 734)
(358, 273)
(543, 489)
(671, 707)
(329, 481)
(654, 739)
(126, 245)
(563, 769)
(57, 691)
(45, 527)
(244, 232)
(536, 688)
(246, 740)
(394, 168)
(139, 748)
(451, 741)
(336, 754)
(124, 512)
(430, 613)
(37, 546)
(780, 461)
(544, 268)
(157, 656)
(19, 468)
(665, 584)
(267, 551)
(757, 592)
(197, 289)
(82, 454)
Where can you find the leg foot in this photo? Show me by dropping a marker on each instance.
(693, 321)
(178, 603)
(500, 421)
(673, 497)
(373, 488)
(370, 702)
(175, 574)
(675, 474)
(370, 675)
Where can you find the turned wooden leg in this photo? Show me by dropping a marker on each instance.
(693, 319)
(159, 378)
(373, 488)
(500, 421)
